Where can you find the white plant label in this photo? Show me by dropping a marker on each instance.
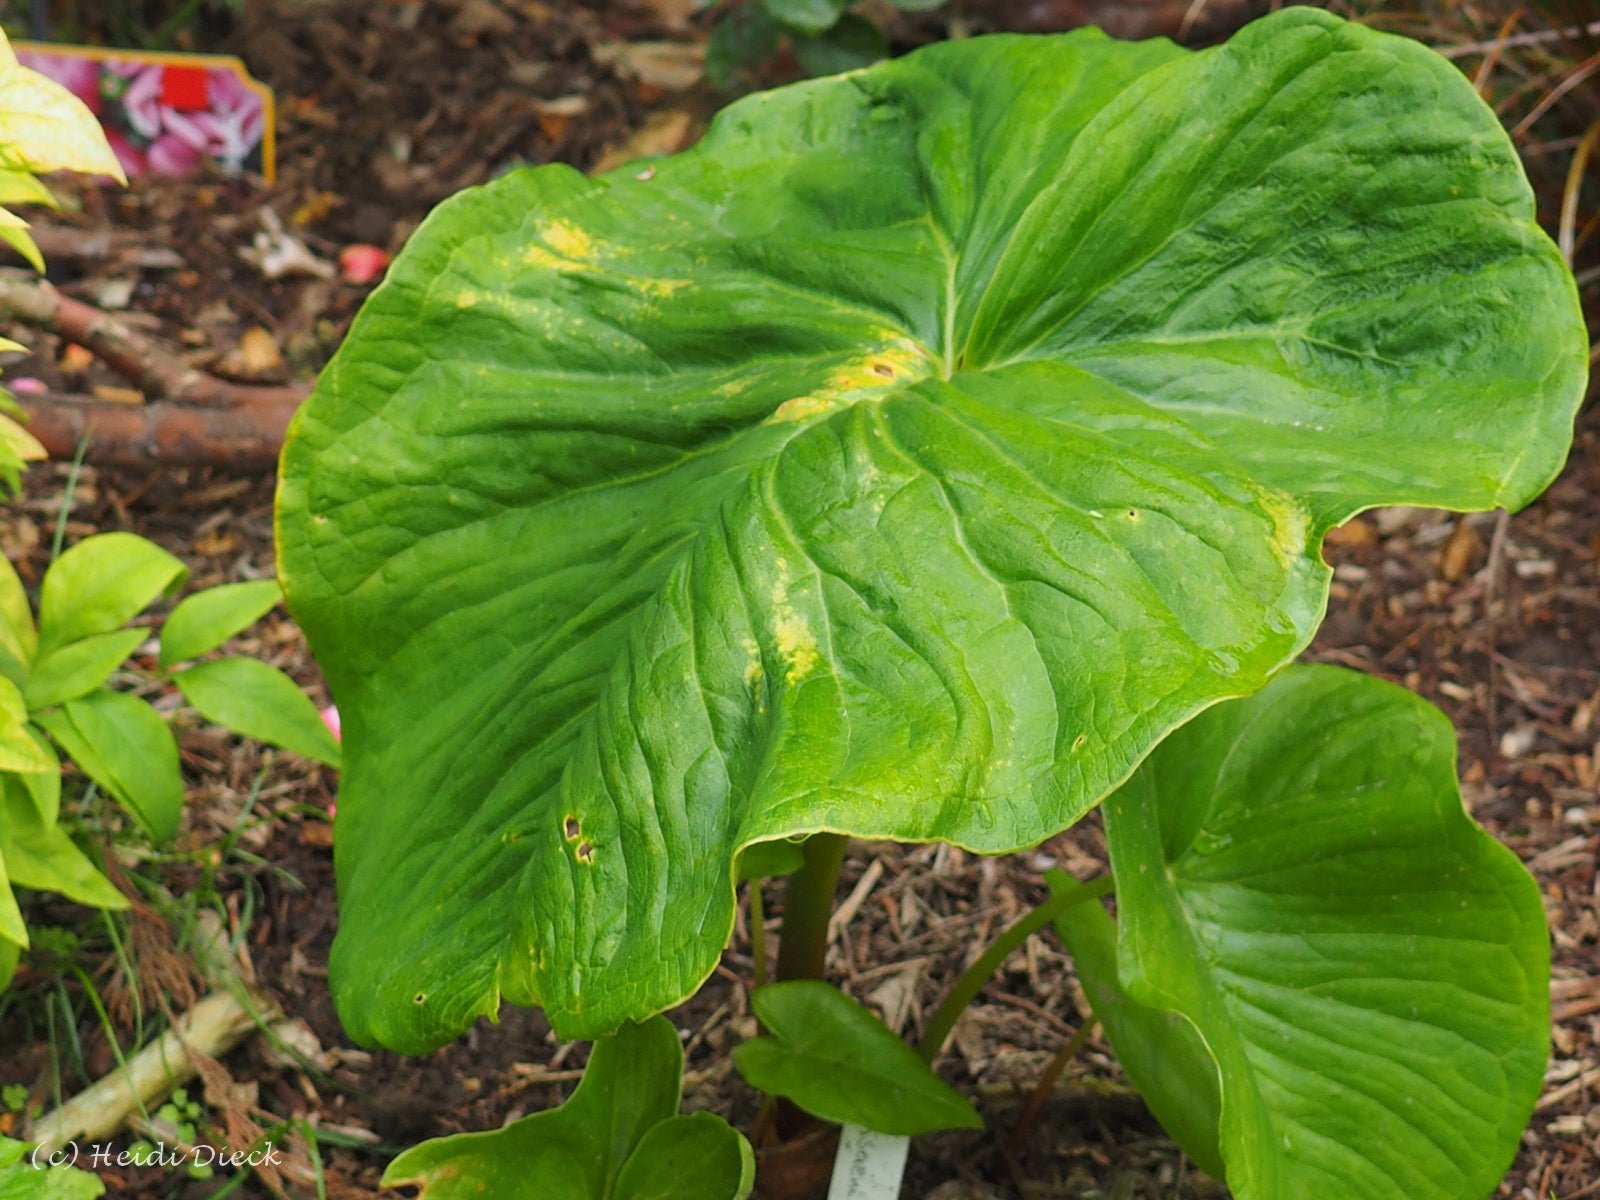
(869, 1166)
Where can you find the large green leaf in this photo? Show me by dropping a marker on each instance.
(837, 1061)
(1297, 877)
(906, 459)
(617, 1138)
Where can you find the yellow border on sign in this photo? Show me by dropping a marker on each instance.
(180, 58)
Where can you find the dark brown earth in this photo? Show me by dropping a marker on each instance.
(386, 109)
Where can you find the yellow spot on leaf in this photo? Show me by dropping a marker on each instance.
(797, 645)
(567, 240)
(893, 363)
(1290, 525)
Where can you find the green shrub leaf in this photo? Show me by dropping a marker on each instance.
(1297, 877)
(906, 460)
(851, 43)
(124, 745)
(44, 127)
(202, 622)
(40, 855)
(99, 584)
(623, 1110)
(13, 928)
(259, 701)
(77, 668)
(805, 16)
(21, 1180)
(17, 635)
(837, 1061)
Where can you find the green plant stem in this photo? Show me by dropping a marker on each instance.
(980, 972)
(1047, 1083)
(807, 905)
(758, 934)
(65, 511)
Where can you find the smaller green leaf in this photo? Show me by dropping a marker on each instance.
(21, 1180)
(259, 701)
(742, 38)
(770, 860)
(123, 745)
(77, 668)
(44, 786)
(45, 128)
(19, 751)
(805, 16)
(20, 187)
(695, 1157)
(854, 42)
(18, 447)
(100, 583)
(13, 928)
(205, 620)
(837, 1061)
(44, 858)
(17, 634)
(14, 232)
(10, 956)
(916, 6)
(1160, 1051)
(574, 1152)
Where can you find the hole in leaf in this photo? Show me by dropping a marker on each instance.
(419, 998)
(883, 369)
(573, 828)
(585, 853)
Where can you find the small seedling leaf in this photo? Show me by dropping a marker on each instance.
(837, 1061)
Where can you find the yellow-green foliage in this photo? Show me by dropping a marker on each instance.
(43, 128)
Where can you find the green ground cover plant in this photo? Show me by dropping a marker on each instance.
(937, 453)
(56, 697)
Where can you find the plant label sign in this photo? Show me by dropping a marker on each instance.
(165, 113)
(869, 1166)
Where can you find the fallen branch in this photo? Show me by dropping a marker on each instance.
(146, 364)
(244, 437)
(211, 1028)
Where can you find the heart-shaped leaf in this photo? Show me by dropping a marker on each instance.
(1297, 877)
(616, 1138)
(906, 460)
(837, 1061)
